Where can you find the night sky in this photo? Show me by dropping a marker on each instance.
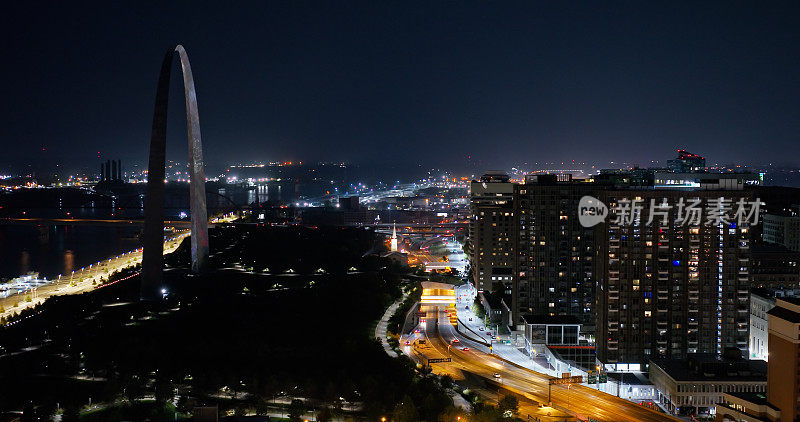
(405, 82)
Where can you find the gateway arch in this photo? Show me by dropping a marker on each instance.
(153, 253)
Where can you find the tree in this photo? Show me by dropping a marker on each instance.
(186, 404)
(446, 381)
(487, 414)
(296, 410)
(71, 414)
(324, 414)
(261, 406)
(509, 403)
(28, 412)
(163, 390)
(133, 388)
(452, 414)
(405, 411)
(46, 409)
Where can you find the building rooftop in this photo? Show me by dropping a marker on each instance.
(711, 367)
(495, 176)
(755, 398)
(786, 314)
(435, 285)
(772, 293)
(493, 299)
(772, 248)
(629, 378)
(551, 319)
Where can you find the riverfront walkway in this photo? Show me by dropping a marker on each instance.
(83, 280)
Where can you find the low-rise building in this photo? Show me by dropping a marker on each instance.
(784, 351)
(496, 307)
(554, 330)
(774, 266)
(780, 403)
(746, 407)
(560, 340)
(782, 229)
(761, 301)
(694, 385)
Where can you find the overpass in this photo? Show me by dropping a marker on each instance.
(435, 294)
(417, 228)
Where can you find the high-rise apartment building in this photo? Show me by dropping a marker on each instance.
(662, 284)
(554, 272)
(670, 288)
(491, 231)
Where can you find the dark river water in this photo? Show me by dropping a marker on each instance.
(54, 250)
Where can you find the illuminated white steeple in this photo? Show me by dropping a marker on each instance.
(394, 237)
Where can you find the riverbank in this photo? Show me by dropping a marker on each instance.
(80, 281)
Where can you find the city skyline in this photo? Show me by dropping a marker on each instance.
(400, 212)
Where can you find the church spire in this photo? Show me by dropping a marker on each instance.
(394, 237)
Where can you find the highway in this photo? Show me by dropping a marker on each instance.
(583, 401)
(81, 280)
(420, 251)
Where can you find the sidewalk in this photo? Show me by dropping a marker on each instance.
(519, 356)
(81, 280)
(380, 329)
(505, 351)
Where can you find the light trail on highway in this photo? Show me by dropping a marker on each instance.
(581, 400)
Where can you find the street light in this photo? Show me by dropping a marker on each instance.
(568, 395)
(598, 377)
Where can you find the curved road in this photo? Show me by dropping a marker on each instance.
(580, 399)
